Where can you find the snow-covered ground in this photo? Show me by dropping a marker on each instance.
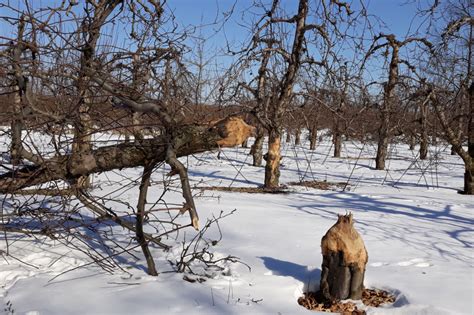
(417, 229)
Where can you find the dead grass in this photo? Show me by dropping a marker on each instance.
(357, 158)
(371, 297)
(322, 185)
(248, 190)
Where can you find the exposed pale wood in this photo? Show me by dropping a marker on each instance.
(272, 168)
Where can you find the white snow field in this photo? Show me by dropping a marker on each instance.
(417, 229)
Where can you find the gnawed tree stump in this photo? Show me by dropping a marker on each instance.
(344, 260)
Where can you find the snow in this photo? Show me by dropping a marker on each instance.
(417, 229)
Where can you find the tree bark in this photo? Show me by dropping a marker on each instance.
(288, 136)
(257, 147)
(424, 131)
(469, 172)
(313, 137)
(453, 150)
(19, 88)
(469, 179)
(382, 148)
(337, 144)
(298, 136)
(423, 147)
(272, 167)
(412, 142)
(339, 114)
(16, 128)
(145, 183)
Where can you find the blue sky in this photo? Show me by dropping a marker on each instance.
(396, 14)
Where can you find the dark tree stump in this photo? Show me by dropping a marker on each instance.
(344, 260)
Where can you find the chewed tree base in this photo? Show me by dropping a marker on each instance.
(344, 261)
(316, 301)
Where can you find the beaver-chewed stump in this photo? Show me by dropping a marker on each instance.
(344, 260)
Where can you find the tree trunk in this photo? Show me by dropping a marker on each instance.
(19, 88)
(469, 179)
(245, 144)
(340, 113)
(424, 147)
(16, 128)
(272, 167)
(459, 127)
(298, 136)
(469, 174)
(137, 130)
(257, 147)
(288, 136)
(82, 141)
(145, 183)
(382, 149)
(313, 137)
(453, 150)
(344, 261)
(412, 142)
(424, 131)
(337, 144)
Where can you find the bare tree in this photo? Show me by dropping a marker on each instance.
(449, 78)
(278, 70)
(386, 127)
(452, 86)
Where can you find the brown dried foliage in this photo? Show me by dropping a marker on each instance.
(370, 297)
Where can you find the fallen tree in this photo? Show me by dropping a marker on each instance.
(187, 140)
(80, 76)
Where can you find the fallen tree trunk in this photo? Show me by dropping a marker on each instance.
(186, 140)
